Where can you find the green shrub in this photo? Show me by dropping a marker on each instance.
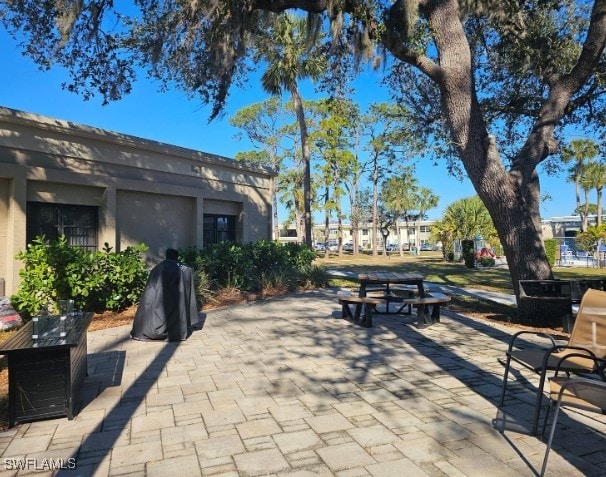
(280, 280)
(253, 266)
(204, 287)
(469, 253)
(43, 278)
(120, 278)
(486, 261)
(96, 281)
(551, 248)
(314, 276)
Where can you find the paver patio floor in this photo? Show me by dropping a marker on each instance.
(285, 387)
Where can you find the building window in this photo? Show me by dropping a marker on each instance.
(219, 228)
(364, 231)
(288, 233)
(79, 223)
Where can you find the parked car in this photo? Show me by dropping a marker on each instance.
(319, 246)
(348, 247)
(425, 247)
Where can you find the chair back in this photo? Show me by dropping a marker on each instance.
(589, 329)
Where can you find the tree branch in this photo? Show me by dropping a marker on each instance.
(394, 39)
(541, 142)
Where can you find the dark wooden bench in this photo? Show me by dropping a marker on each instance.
(428, 308)
(45, 374)
(361, 304)
(396, 294)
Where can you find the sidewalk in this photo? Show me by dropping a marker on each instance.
(285, 387)
(503, 298)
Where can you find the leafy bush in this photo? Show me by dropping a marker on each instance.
(101, 280)
(469, 254)
(314, 276)
(486, 261)
(551, 248)
(253, 266)
(204, 286)
(43, 278)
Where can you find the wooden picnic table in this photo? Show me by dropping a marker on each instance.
(386, 279)
(422, 301)
(45, 374)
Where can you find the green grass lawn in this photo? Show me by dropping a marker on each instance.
(435, 269)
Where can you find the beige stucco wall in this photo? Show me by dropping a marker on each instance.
(158, 220)
(145, 191)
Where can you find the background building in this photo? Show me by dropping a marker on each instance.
(408, 234)
(99, 187)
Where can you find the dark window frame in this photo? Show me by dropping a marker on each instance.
(219, 228)
(79, 223)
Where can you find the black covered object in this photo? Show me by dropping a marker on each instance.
(168, 304)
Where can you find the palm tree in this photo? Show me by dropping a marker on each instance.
(426, 200)
(399, 195)
(595, 178)
(467, 218)
(444, 231)
(289, 186)
(293, 55)
(579, 151)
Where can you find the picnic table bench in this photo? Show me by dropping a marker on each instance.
(383, 288)
(364, 304)
(45, 374)
(428, 307)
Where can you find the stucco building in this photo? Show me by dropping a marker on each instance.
(99, 187)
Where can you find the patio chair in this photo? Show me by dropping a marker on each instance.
(587, 342)
(582, 393)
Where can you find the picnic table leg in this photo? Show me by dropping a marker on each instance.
(355, 316)
(425, 317)
(367, 323)
(435, 313)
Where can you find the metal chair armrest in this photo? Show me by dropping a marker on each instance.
(535, 333)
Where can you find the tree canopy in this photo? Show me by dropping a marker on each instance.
(491, 82)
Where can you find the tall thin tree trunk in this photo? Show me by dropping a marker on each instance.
(326, 224)
(375, 212)
(274, 200)
(298, 103)
(598, 191)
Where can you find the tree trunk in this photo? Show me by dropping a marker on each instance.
(599, 204)
(375, 212)
(274, 202)
(512, 198)
(399, 235)
(326, 225)
(298, 104)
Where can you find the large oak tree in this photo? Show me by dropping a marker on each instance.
(545, 59)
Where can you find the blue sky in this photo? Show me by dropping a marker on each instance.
(173, 118)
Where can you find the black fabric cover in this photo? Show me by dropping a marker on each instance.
(168, 304)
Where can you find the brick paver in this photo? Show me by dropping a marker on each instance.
(287, 388)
